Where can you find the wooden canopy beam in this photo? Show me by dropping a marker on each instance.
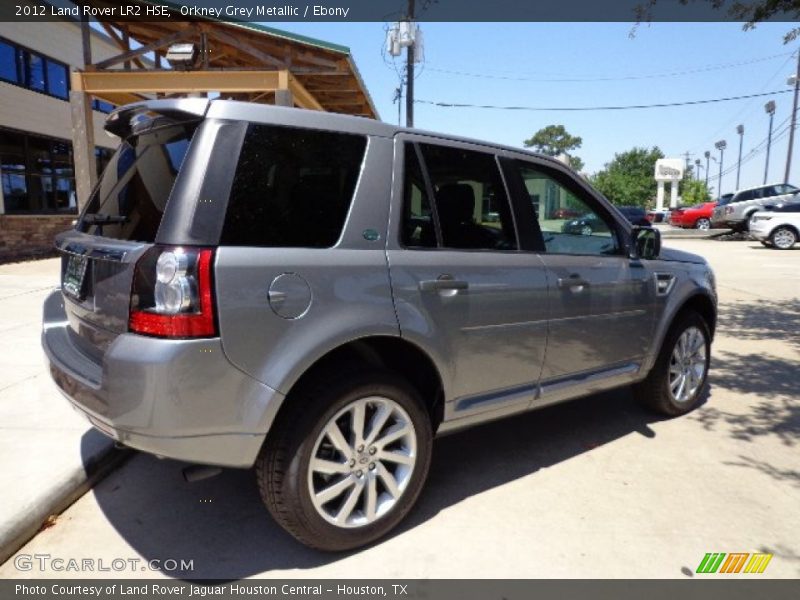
(301, 95)
(131, 54)
(121, 43)
(172, 82)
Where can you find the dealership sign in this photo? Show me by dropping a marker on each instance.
(669, 169)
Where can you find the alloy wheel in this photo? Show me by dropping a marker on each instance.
(687, 365)
(784, 239)
(362, 462)
(703, 224)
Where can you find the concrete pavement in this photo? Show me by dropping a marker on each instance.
(48, 452)
(592, 488)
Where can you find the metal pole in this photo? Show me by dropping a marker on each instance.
(740, 131)
(769, 145)
(794, 121)
(719, 183)
(410, 73)
(708, 166)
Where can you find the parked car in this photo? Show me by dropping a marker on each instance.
(736, 213)
(693, 217)
(659, 216)
(590, 223)
(310, 295)
(779, 228)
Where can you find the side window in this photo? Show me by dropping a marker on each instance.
(569, 224)
(418, 227)
(471, 201)
(292, 188)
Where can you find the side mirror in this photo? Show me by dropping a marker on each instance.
(645, 242)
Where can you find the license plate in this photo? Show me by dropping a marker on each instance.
(74, 275)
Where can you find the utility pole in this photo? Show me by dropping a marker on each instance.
(796, 81)
(740, 131)
(770, 108)
(410, 72)
(707, 154)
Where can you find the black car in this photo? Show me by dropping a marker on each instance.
(590, 223)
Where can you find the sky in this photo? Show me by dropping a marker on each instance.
(514, 64)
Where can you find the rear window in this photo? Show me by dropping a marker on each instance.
(292, 187)
(133, 191)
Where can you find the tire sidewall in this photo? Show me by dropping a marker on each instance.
(778, 230)
(327, 535)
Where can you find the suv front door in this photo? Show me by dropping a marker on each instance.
(462, 287)
(601, 314)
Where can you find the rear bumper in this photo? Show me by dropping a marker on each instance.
(178, 399)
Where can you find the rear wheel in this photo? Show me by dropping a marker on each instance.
(676, 382)
(704, 224)
(347, 461)
(783, 238)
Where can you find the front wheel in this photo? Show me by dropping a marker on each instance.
(347, 461)
(783, 238)
(676, 382)
(703, 224)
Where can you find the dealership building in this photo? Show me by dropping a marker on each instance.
(59, 80)
(37, 196)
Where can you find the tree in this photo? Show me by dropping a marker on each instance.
(751, 12)
(554, 140)
(628, 179)
(693, 192)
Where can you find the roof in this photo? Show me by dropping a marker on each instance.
(326, 70)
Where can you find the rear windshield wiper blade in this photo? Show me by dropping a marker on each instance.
(101, 218)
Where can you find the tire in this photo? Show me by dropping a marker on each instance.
(586, 230)
(287, 481)
(702, 224)
(656, 391)
(783, 238)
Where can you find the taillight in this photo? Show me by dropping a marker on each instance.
(171, 294)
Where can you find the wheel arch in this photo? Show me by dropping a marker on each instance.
(392, 353)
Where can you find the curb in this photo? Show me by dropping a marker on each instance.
(57, 499)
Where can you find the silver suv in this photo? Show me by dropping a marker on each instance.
(316, 296)
(736, 212)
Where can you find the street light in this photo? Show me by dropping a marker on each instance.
(720, 145)
(707, 154)
(740, 131)
(769, 107)
(795, 81)
(698, 165)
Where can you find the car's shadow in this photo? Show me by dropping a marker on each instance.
(222, 526)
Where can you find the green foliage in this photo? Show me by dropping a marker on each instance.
(554, 140)
(628, 179)
(694, 192)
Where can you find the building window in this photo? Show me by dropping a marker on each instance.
(37, 174)
(32, 70)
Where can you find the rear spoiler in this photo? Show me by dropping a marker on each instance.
(135, 118)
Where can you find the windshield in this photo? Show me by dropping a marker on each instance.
(129, 201)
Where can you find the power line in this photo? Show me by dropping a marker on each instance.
(592, 108)
(538, 79)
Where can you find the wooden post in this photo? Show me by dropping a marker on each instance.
(86, 39)
(283, 95)
(126, 42)
(83, 145)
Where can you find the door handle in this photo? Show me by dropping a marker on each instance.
(444, 283)
(574, 282)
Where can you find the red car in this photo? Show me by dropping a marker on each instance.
(693, 217)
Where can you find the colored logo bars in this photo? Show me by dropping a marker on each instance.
(736, 562)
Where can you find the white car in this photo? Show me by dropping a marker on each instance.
(779, 228)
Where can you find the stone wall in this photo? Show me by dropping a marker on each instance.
(29, 236)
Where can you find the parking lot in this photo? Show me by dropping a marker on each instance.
(593, 488)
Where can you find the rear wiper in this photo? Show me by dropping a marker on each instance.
(101, 218)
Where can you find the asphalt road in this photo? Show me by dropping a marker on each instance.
(593, 488)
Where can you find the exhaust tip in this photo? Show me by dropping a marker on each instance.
(194, 473)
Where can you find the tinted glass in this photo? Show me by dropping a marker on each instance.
(418, 228)
(292, 187)
(471, 200)
(34, 71)
(136, 185)
(569, 223)
(8, 62)
(57, 79)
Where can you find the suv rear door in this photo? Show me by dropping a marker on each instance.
(462, 286)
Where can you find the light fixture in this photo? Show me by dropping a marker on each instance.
(182, 55)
